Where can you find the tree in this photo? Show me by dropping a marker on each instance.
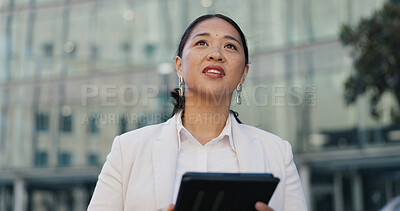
(375, 45)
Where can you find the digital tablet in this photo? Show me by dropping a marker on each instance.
(224, 191)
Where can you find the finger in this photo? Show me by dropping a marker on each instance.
(261, 206)
(171, 207)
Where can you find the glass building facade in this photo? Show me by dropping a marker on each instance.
(74, 74)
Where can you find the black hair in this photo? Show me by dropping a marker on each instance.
(178, 101)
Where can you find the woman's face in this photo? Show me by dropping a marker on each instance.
(213, 59)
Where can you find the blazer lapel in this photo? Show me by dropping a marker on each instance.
(249, 150)
(165, 152)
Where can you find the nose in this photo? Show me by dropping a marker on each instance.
(216, 55)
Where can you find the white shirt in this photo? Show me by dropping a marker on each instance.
(218, 155)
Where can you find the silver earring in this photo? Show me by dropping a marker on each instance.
(180, 86)
(238, 90)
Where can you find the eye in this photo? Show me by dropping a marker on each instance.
(201, 43)
(231, 46)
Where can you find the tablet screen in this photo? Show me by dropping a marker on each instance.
(224, 191)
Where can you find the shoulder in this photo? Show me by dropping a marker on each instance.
(264, 136)
(150, 130)
(145, 134)
(138, 143)
(272, 144)
(251, 132)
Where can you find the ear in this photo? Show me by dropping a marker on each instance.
(245, 71)
(178, 65)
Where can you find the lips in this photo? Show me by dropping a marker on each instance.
(214, 71)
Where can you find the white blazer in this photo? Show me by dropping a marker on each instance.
(139, 172)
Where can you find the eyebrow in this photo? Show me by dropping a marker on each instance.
(208, 34)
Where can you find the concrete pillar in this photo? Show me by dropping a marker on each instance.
(357, 191)
(3, 193)
(79, 198)
(19, 193)
(304, 172)
(338, 191)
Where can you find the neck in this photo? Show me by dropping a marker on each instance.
(205, 118)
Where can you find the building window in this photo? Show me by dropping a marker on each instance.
(94, 52)
(48, 49)
(149, 50)
(64, 159)
(41, 159)
(395, 1)
(93, 159)
(66, 123)
(93, 128)
(41, 122)
(126, 47)
(123, 125)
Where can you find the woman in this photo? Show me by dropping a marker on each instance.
(145, 166)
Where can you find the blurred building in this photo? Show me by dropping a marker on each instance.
(74, 74)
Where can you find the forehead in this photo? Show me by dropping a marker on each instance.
(215, 27)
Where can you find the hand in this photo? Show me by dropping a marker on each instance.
(261, 206)
(171, 207)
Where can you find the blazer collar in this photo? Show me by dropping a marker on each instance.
(249, 151)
